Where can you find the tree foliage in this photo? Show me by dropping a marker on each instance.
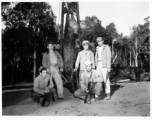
(27, 27)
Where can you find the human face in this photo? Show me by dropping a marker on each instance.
(50, 47)
(43, 73)
(86, 47)
(88, 68)
(100, 43)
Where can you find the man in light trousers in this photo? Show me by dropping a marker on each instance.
(52, 60)
(103, 64)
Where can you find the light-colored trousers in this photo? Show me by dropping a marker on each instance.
(80, 72)
(58, 80)
(103, 72)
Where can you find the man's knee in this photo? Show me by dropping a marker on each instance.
(98, 86)
(75, 93)
(36, 96)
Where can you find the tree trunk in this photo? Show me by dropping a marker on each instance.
(130, 58)
(12, 80)
(136, 60)
(34, 64)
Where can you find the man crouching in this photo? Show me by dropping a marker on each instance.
(42, 88)
(89, 75)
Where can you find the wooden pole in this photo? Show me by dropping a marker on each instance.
(62, 25)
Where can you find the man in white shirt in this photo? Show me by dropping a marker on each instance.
(103, 64)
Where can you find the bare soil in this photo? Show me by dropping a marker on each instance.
(128, 99)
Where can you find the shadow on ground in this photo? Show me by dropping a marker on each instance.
(114, 88)
(12, 98)
(15, 97)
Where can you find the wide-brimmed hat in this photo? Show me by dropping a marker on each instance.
(99, 39)
(85, 42)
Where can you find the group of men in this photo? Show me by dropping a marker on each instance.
(94, 69)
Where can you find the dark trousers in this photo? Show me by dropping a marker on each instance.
(47, 97)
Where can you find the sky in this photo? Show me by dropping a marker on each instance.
(122, 13)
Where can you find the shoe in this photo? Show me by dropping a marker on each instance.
(97, 100)
(89, 102)
(60, 98)
(108, 97)
(92, 100)
(46, 104)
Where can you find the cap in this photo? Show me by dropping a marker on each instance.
(99, 39)
(88, 62)
(40, 69)
(85, 42)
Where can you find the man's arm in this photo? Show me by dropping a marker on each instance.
(93, 61)
(77, 61)
(96, 59)
(37, 88)
(44, 61)
(60, 60)
(108, 58)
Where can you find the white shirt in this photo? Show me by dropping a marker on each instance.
(53, 58)
(100, 49)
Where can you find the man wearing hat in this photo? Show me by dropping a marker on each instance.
(42, 88)
(83, 56)
(52, 60)
(89, 75)
(103, 63)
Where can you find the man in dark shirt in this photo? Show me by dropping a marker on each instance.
(42, 88)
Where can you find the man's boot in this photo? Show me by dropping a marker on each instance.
(97, 99)
(45, 101)
(108, 97)
(89, 99)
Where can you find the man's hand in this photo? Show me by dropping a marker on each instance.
(108, 73)
(75, 69)
(108, 70)
(46, 90)
(47, 70)
(97, 48)
(61, 69)
(86, 90)
(90, 80)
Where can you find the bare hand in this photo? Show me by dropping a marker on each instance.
(86, 90)
(61, 69)
(75, 69)
(46, 91)
(48, 71)
(97, 48)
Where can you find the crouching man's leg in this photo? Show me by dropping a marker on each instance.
(48, 97)
(52, 94)
(36, 97)
(97, 91)
(79, 93)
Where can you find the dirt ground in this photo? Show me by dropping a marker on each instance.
(128, 99)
